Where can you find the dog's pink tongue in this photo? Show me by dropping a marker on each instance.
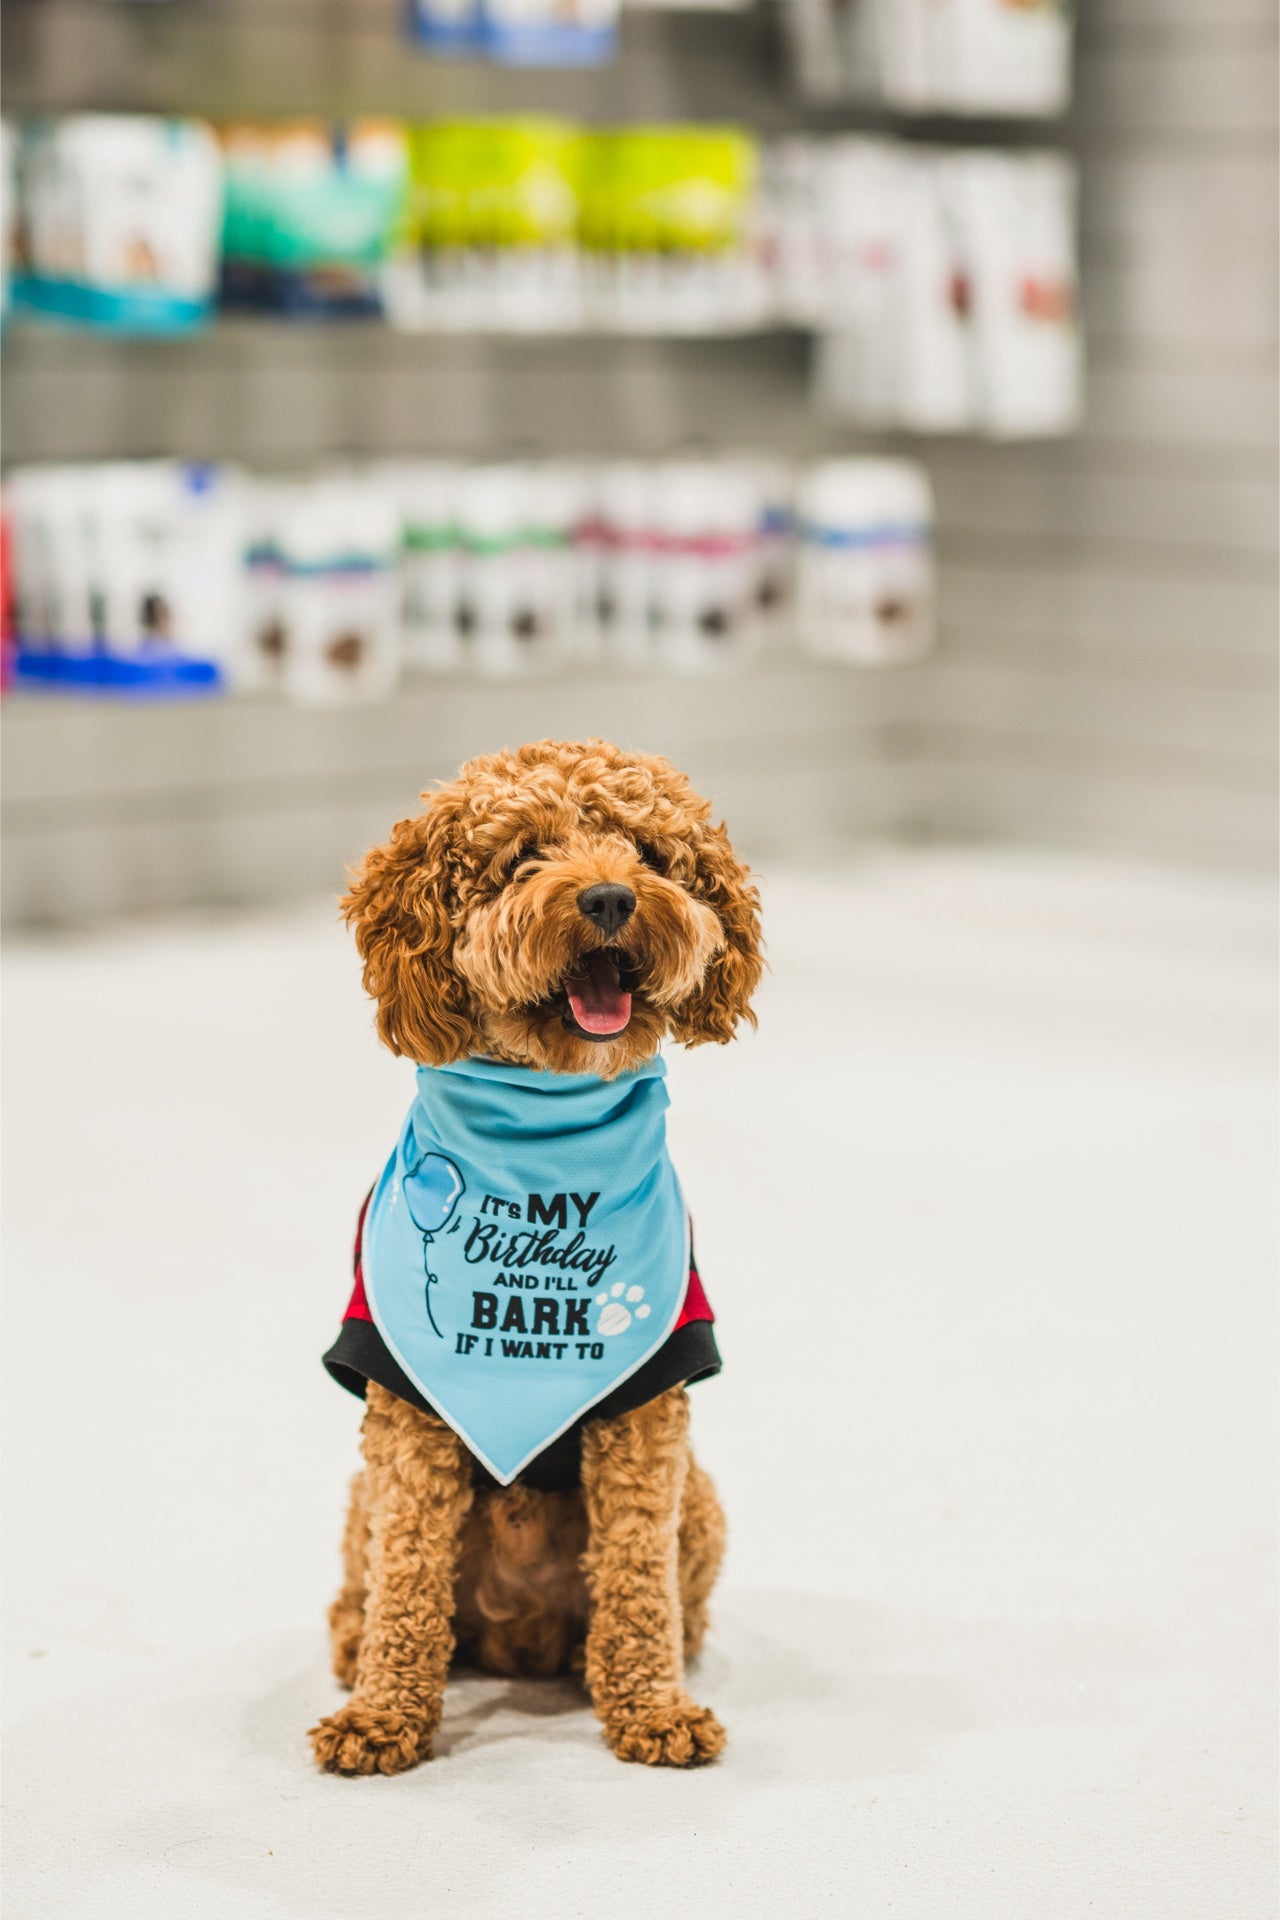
(601, 1004)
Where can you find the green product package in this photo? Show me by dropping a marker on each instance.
(310, 197)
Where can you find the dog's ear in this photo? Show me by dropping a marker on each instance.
(713, 1010)
(398, 904)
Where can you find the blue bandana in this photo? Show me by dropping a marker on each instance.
(526, 1248)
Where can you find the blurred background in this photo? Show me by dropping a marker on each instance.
(871, 405)
(847, 246)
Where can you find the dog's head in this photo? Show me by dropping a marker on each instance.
(563, 906)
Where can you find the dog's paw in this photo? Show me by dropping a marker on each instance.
(676, 1734)
(360, 1739)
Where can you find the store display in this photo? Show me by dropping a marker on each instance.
(120, 221)
(941, 281)
(949, 282)
(978, 57)
(864, 576)
(532, 225)
(310, 213)
(128, 575)
(159, 577)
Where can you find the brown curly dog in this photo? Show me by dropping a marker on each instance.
(481, 934)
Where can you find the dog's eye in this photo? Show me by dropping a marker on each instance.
(651, 857)
(525, 855)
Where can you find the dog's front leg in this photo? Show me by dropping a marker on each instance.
(417, 1489)
(633, 1474)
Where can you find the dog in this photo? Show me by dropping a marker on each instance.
(557, 910)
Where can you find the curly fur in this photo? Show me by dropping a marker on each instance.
(463, 942)
(467, 923)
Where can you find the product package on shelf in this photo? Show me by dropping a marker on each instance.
(832, 212)
(129, 576)
(616, 541)
(669, 230)
(446, 26)
(533, 226)
(550, 33)
(1000, 56)
(864, 573)
(774, 551)
(120, 223)
(707, 532)
(158, 577)
(487, 241)
(310, 214)
(1014, 215)
(324, 622)
(968, 320)
(258, 663)
(978, 57)
(426, 492)
(519, 597)
(519, 33)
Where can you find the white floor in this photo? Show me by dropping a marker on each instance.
(986, 1210)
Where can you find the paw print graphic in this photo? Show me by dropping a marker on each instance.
(621, 1307)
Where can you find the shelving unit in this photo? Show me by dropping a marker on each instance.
(1108, 602)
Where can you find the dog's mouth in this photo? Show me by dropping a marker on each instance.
(596, 993)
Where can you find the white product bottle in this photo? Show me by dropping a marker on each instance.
(206, 586)
(865, 577)
(339, 538)
(262, 637)
(134, 516)
(773, 586)
(706, 522)
(52, 559)
(624, 561)
(1016, 216)
(561, 494)
(516, 608)
(430, 564)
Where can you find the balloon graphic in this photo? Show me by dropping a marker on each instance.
(432, 1188)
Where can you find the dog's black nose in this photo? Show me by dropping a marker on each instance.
(607, 906)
